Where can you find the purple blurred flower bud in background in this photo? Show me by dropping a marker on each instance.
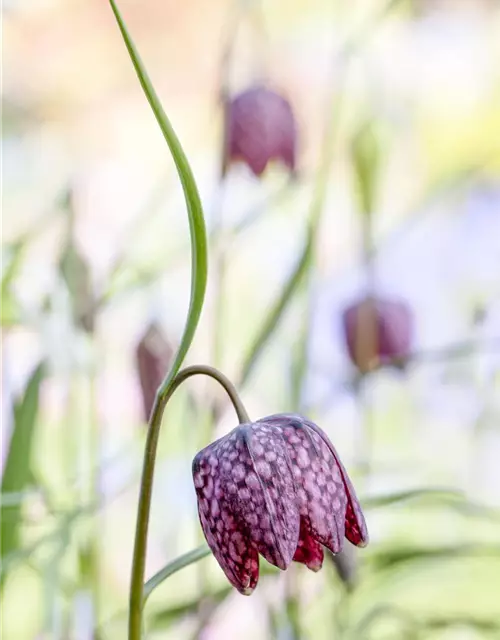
(274, 487)
(378, 329)
(153, 358)
(259, 127)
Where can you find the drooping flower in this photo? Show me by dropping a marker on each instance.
(259, 127)
(378, 330)
(274, 487)
(153, 356)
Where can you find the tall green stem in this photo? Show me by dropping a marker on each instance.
(198, 287)
(139, 559)
(96, 433)
(369, 324)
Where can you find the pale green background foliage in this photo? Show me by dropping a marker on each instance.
(88, 177)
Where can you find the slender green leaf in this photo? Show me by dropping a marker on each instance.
(366, 161)
(276, 312)
(306, 259)
(388, 499)
(190, 558)
(298, 368)
(172, 567)
(10, 309)
(75, 272)
(195, 211)
(198, 237)
(13, 254)
(305, 262)
(17, 472)
(10, 313)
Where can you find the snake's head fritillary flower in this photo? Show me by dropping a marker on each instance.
(153, 357)
(376, 330)
(259, 127)
(274, 487)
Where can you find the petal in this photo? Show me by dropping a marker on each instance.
(260, 126)
(355, 525)
(377, 330)
(234, 552)
(267, 504)
(309, 551)
(396, 328)
(232, 548)
(320, 490)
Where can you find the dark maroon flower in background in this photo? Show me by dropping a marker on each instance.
(153, 357)
(378, 330)
(274, 487)
(259, 127)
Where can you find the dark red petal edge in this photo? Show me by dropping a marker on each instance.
(232, 549)
(309, 551)
(355, 525)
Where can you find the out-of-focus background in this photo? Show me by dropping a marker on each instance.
(399, 102)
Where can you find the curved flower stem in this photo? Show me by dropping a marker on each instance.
(137, 592)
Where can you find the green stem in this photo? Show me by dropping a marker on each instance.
(137, 592)
(96, 533)
(219, 278)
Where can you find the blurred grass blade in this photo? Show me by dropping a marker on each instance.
(75, 272)
(61, 531)
(166, 617)
(388, 499)
(278, 309)
(193, 203)
(388, 558)
(433, 497)
(489, 627)
(17, 471)
(413, 626)
(13, 255)
(174, 566)
(407, 623)
(366, 160)
(305, 261)
(298, 368)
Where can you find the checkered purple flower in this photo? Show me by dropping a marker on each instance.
(378, 331)
(274, 487)
(259, 127)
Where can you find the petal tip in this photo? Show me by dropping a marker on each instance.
(363, 542)
(246, 591)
